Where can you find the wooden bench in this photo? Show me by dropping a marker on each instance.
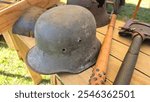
(119, 48)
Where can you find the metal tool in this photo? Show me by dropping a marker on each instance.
(139, 31)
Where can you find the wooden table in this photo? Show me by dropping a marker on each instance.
(119, 48)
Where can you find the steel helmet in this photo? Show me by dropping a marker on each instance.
(98, 9)
(25, 24)
(100, 13)
(65, 41)
(84, 3)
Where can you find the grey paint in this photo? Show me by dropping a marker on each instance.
(65, 41)
(25, 24)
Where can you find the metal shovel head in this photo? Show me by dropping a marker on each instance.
(100, 14)
(25, 24)
(133, 27)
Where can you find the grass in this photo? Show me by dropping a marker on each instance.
(127, 10)
(13, 71)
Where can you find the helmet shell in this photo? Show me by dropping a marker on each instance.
(65, 41)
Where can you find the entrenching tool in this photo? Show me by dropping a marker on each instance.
(98, 76)
(139, 31)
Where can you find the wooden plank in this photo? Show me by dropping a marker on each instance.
(79, 79)
(119, 51)
(14, 43)
(3, 5)
(28, 41)
(10, 14)
(113, 67)
(138, 78)
(8, 40)
(127, 41)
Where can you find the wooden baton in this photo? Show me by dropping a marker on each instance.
(98, 76)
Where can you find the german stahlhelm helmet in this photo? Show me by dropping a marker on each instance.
(25, 24)
(65, 41)
(98, 9)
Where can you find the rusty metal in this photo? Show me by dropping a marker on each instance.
(139, 31)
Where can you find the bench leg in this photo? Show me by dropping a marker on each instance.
(21, 49)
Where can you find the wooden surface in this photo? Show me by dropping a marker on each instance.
(119, 48)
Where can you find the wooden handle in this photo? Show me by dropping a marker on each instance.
(127, 67)
(136, 10)
(98, 76)
(8, 16)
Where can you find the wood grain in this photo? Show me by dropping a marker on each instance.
(124, 40)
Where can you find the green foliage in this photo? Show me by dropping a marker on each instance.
(127, 10)
(12, 70)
